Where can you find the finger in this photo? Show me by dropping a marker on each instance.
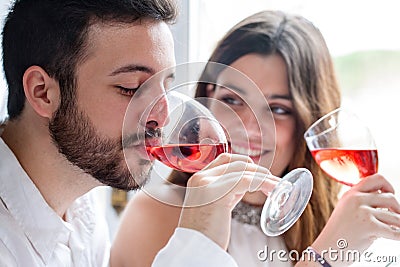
(384, 230)
(225, 158)
(387, 217)
(233, 166)
(383, 200)
(254, 181)
(242, 182)
(231, 186)
(374, 183)
(263, 182)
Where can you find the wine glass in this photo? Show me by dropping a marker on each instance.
(343, 146)
(190, 138)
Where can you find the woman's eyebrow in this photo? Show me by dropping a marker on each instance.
(277, 96)
(235, 88)
(242, 91)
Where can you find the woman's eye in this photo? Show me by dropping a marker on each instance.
(231, 100)
(127, 91)
(280, 110)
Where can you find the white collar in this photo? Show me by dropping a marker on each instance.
(42, 226)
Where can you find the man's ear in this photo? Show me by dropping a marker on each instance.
(41, 91)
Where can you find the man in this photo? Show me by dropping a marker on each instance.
(72, 67)
(67, 64)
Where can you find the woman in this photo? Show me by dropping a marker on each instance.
(287, 59)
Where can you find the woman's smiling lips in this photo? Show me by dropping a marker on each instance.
(247, 149)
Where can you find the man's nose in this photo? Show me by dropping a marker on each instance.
(158, 115)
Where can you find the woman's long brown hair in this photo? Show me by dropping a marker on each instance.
(313, 88)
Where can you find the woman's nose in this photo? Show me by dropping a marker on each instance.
(259, 124)
(252, 124)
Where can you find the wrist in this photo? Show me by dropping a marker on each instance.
(210, 225)
(315, 256)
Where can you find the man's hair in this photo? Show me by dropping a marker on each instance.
(53, 34)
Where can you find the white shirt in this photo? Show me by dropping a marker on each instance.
(191, 248)
(245, 243)
(32, 234)
(250, 247)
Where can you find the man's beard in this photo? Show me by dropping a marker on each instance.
(77, 139)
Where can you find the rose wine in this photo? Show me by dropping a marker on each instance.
(345, 165)
(187, 157)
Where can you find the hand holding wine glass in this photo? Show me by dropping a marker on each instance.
(344, 148)
(356, 221)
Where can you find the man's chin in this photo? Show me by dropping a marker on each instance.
(128, 181)
(140, 179)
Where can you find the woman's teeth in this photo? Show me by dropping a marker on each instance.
(246, 151)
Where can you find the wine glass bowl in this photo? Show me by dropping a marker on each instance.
(191, 138)
(343, 146)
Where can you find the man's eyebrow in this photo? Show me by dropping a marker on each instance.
(132, 68)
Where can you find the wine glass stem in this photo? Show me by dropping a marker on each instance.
(274, 179)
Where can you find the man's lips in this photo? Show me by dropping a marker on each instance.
(141, 147)
(151, 142)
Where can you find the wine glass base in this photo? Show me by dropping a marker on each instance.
(286, 202)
